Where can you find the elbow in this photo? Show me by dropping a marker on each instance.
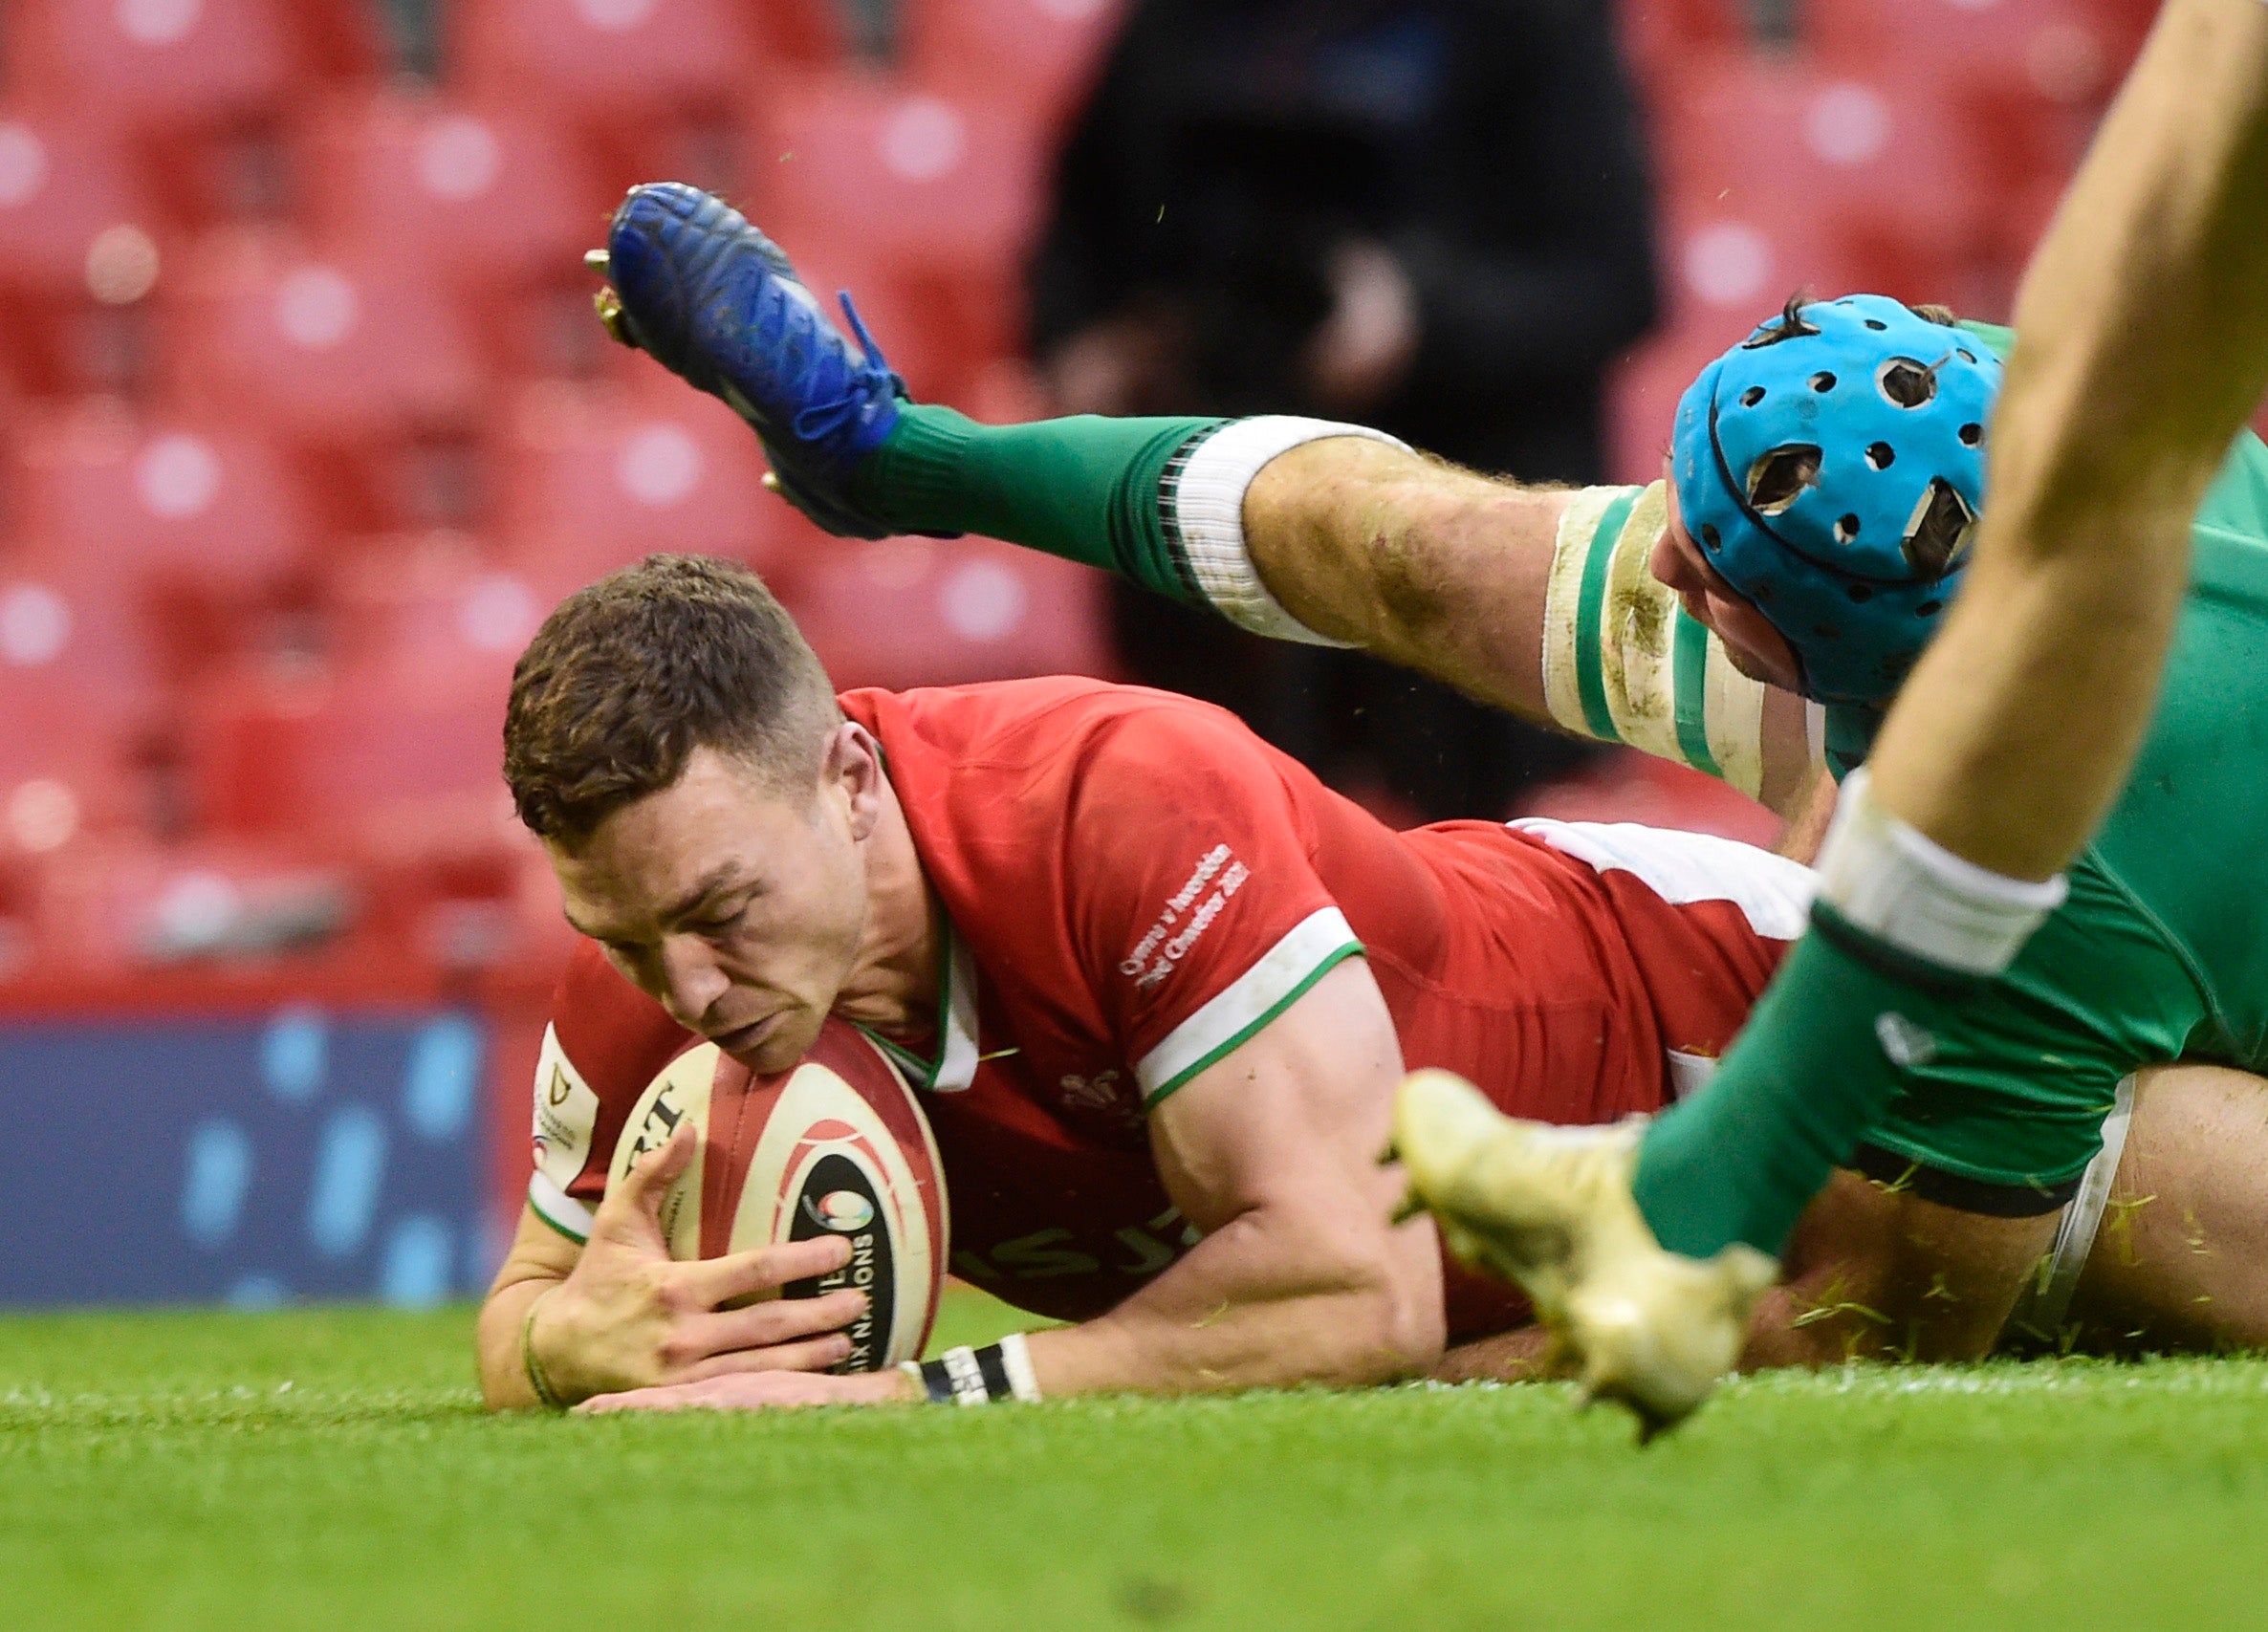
(1396, 1330)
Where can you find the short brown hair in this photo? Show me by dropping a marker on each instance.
(630, 674)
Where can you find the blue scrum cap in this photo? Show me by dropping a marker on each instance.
(1831, 467)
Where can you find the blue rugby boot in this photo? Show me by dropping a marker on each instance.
(718, 304)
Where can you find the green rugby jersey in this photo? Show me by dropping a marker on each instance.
(2161, 950)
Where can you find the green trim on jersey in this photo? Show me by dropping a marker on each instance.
(1251, 1028)
(575, 1236)
(923, 1073)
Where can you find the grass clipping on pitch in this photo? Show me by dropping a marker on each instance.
(334, 1468)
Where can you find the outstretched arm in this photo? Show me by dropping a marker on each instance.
(2144, 325)
(1539, 600)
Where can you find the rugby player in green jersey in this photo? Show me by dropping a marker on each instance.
(2145, 318)
(1980, 1121)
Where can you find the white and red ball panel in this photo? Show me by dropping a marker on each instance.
(836, 1145)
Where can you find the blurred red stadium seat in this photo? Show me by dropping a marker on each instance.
(343, 350)
(2056, 51)
(803, 34)
(2017, 85)
(648, 89)
(487, 200)
(1738, 262)
(1035, 58)
(601, 63)
(588, 479)
(64, 183)
(144, 63)
(480, 195)
(905, 611)
(405, 714)
(125, 903)
(1776, 175)
(80, 703)
(927, 182)
(1644, 386)
(1659, 36)
(334, 750)
(79, 236)
(161, 498)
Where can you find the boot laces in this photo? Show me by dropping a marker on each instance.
(862, 382)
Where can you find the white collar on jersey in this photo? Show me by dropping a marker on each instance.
(954, 1068)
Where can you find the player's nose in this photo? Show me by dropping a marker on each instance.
(691, 979)
(1670, 567)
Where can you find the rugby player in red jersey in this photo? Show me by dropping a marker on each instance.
(1155, 983)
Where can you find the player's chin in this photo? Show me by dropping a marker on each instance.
(1759, 667)
(774, 1044)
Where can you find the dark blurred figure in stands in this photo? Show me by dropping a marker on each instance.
(1428, 215)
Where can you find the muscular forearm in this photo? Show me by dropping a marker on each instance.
(1252, 1306)
(1540, 600)
(2143, 324)
(1429, 566)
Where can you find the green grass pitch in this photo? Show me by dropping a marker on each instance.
(333, 1469)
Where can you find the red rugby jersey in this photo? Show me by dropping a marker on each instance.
(1135, 883)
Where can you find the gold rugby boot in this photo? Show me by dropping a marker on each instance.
(1550, 1209)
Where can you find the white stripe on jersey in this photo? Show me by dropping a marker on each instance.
(1281, 974)
(557, 1208)
(1772, 892)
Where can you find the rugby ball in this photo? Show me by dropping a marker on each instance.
(836, 1145)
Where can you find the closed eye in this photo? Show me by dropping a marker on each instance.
(722, 918)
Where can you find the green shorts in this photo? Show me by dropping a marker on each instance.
(2013, 1094)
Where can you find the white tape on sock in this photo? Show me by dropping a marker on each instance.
(1204, 512)
(1898, 884)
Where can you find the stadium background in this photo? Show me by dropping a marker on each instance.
(304, 422)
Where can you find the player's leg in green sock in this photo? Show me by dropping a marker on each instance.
(1904, 934)
(1087, 489)
(1815, 1068)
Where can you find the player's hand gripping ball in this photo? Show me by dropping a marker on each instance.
(837, 1146)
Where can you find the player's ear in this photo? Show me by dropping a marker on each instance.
(853, 765)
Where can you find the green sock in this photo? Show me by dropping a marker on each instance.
(1085, 488)
(1808, 1077)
